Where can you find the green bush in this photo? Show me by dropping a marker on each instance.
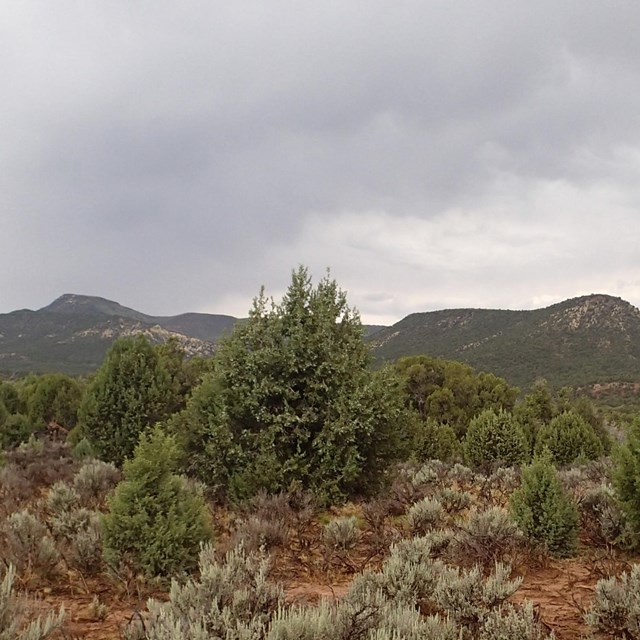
(15, 430)
(494, 439)
(435, 441)
(154, 523)
(626, 477)
(542, 509)
(568, 437)
(130, 392)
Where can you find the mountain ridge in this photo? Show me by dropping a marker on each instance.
(579, 341)
(589, 339)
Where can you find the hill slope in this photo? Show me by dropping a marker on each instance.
(74, 332)
(584, 340)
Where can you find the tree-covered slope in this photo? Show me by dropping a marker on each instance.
(584, 340)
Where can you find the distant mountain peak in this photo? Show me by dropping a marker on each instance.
(76, 304)
(595, 310)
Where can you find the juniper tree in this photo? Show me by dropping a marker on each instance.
(294, 399)
(155, 522)
(542, 509)
(130, 392)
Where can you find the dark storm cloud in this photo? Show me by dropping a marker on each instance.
(175, 156)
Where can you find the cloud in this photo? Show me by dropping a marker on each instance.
(176, 156)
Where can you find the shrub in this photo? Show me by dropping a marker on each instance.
(461, 476)
(569, 438)
(542, 509)
(29, 545)
(511, 623)
(62, 498)
(602, 518)
(436, 441)
(32, 447)
(626, 477)
(488, 536)
(154, 522)
(453, 501)
(341, 534)
(425, 515)
(494, 439)
(130, 392)
(257, 533)
(467, 597)
(16, 429)
(232, 599)
(85, 547)
(94, 480)
(12, 624)
(615, 609)
(82, 449)
(67, 523)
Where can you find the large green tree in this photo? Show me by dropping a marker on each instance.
(131, 391)
(293, 400)
(451, 392)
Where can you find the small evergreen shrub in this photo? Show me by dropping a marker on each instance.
(154, 523)
(603, 520)
(453, 501)
(626, 478)
(503, 482)
(436, 442)
(468, 597)
(568, 437)
(494, 439)
(615, 609)
(462, 477)
(82, 449)
(425, 515)
(256, 533)
(15, 431)
(85, 548)
(512, 623)
(542, 509)
(32, 447)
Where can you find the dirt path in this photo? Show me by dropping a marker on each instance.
(560, 592)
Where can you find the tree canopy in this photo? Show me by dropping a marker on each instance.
(131, 391)
(293, 399)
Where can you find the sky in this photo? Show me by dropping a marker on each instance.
(175, 156)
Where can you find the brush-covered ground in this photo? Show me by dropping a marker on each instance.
(50, 505)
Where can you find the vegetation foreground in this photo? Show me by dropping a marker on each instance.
(286, 489)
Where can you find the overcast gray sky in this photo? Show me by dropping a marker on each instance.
(174, 156)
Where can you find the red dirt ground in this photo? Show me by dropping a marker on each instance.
(561, 590)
